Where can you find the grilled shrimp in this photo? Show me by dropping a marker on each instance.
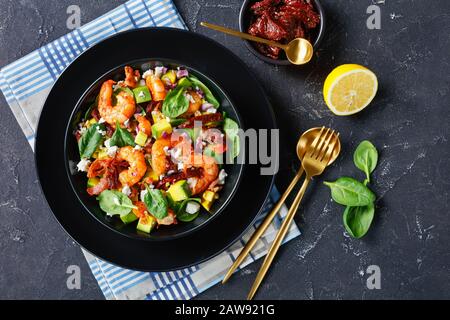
(122, 111)
(156, 87)
(208, 174)
(160, 163)
(195, 102)
(131, 77)
(137, 168)
(144, 125)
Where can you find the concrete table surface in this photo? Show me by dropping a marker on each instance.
(408, 122)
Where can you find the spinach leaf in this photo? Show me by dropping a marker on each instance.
(182, 215)
(156, 203)
(231, 130)
(230, 127)
(115, 203)
(90, 140)
(366, 158)
(121, 137)
(350, 192)
(208, 94)
(175, 103)
(357, 220)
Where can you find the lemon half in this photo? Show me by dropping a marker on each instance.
(349, 88)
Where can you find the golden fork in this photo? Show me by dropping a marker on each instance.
(314, 163)
(305, 140)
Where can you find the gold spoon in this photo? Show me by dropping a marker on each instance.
(316, 158)
(305, 140)
(298, 51)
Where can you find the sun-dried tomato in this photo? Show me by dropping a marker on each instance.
(282, 20)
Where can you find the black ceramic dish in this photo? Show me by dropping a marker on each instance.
(78, 180)
(201, 54)
(244, 23)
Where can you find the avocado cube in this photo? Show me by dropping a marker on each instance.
(146, 223)
(92, 182)
(171, 75)
(141, 138)
(157, 116)
(160, 127)
(142, 94)
(179, 191)
(208, 196)
(129, 218)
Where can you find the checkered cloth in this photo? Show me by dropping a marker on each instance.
(25, 84)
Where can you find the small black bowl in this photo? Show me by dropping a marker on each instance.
(78, 180)
(244, 22)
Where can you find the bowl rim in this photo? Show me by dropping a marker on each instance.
(68, 135)
(283, 62)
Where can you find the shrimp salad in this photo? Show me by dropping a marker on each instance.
(153, 146)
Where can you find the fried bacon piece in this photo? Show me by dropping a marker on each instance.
(108, 170)
(207, 120)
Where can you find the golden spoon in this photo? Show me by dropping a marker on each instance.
(305, 140)
(298, 51)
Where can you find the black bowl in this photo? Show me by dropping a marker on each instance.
(78, 180)
(244, 23)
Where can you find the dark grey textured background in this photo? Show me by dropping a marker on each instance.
(408, 122)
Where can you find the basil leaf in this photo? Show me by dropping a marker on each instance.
(350, 192)
(366, 158)
(156, 203)
(357, 220)
(182, 215)
(90, 140)
(208, 94)
(121, 137)
(114, 202)
(175, 103)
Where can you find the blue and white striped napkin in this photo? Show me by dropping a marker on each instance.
(25, 84)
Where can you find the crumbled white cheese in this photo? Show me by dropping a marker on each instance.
(126, 190)
(151, 186)
(102, 132)
(222, 176)
(147, 74)
(192, 182)
(167, 119)
(107, 143)
(137, 147)
(83, 130)
(126, 122)
(166, 150)
(141, 94)
(111, 151)
(159, 71)
(161, 177)
(175, 153)
(136, 78)
(83, 165)
(192, 207)
(101, 120)
(190, 98)
(180, 166)
(170, 172)
(211, 110)
(143, 194)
